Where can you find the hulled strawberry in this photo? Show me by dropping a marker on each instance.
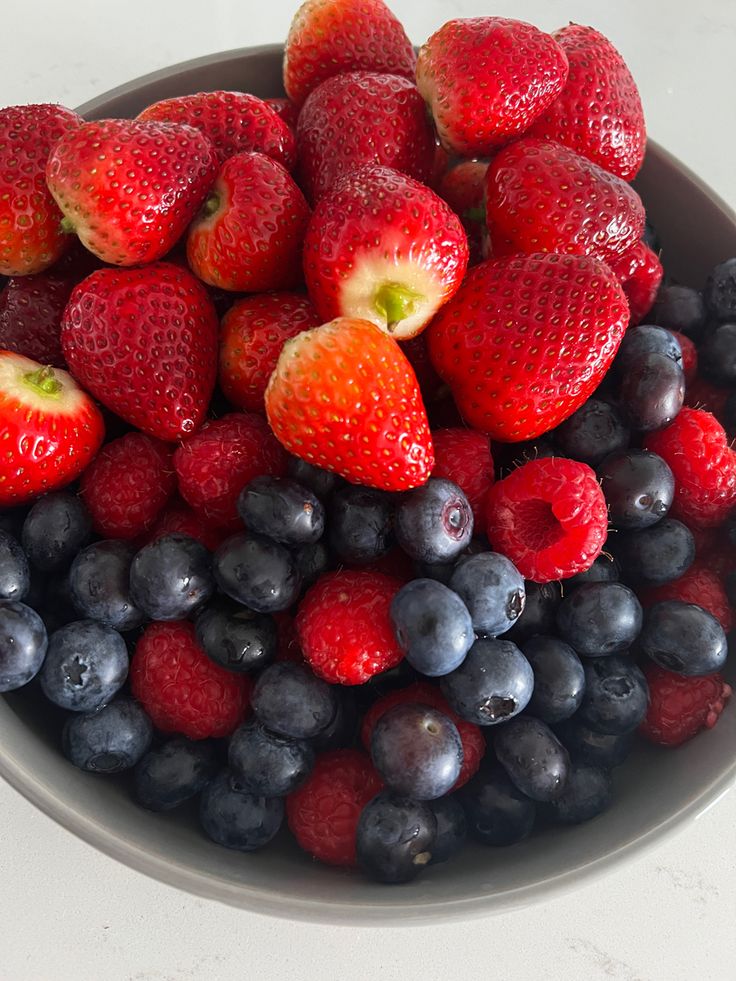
(51, 429)
(486, 79)
(144, 342)
(248, 237)
(385, 248)
(31, 236)
(345, 398)
(130, 188)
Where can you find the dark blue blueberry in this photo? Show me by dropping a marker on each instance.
(540, 609)
(56, 603)
(236, 638)
(604, 569)
(267, 764)
(642, 340)
(493, 683)
(174, 773)
(86, 665)
(171, 577)
(111, 739)
(592, 432)
(605, 749)
(532, 756)
(23, 643)
(15, 576)
(452, 828)
(282, 509)
(290, 700)
(600, 618)
(492, 588)
(652, 392)
(680, 308)
(717, 355)
(312, 561)
(683, 637)
(395, 838)
(655, 555)
(360, 527)
(651, 237)
(616, 695)
(340, 733)
(720, 291)
(638, 486)
(57, 526)
(586, 795)
(434, 523)
(322, 482)
(498, 813)
(439, 571)
(433, 626)
(238, 820)
(99, 580)
(559, 678)
(257, 572)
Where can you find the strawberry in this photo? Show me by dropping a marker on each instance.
(31, 237)
(463, 187)
(286, 110)
(464, 457)
(344, 397)
(382, 247)
(130, 188)
(144, 341)
(527, 339)
(486, 79)
(51, 429)
(331, 37)
(249, 235)
(362, 118)
(542, 197)
(598, 114)
(233, 122)
(30, 316)
(640, 273)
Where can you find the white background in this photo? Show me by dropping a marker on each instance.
(67, 912)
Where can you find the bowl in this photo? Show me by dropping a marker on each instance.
(657, 792)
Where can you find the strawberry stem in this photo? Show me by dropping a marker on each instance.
(395, 302)
(211, 205)
(67, 226)
(43, 381)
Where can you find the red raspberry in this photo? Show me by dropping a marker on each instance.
(700, 585)
(464, 457)
(220, 459)
(344, 626)
(703, 394)
(181, 688)
(128, 484)
(680, 707)
(640, 273)
(425, 693)
(696, 449)
(179, 517)
(323, 813)
(549, 516)
(689, 356)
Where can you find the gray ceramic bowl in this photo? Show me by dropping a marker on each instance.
(656, 792)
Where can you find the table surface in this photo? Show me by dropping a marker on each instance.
(69, 912)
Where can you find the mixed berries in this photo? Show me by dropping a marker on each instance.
(362, 470)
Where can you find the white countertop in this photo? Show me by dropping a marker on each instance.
(68, 912)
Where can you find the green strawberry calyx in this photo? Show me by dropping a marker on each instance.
(44, 382)
(395, 302)
(67, 226)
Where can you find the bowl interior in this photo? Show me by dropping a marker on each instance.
(655, 793)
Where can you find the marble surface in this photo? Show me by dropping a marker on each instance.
(68, 912)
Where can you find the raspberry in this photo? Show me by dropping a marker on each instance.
(219, 460)
(464, 457)
(128, 484)
(323, 813)
(179, 517)
(679, 707)
(344, 626)
(695, 447)
(640, 273)
(549, 516)
(181, 688)
(700, 585)
(689, 356)
(703, 394)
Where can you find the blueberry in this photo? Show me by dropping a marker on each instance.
(395, 838)
(680, 308)
(266, 764)
(652, 392)
(728, 417)
(493, 683)
(23, 643)
(642, 340)
(498, 813)
(638, 486)
(238, 820)
(99, 580)
(282, 509)
(111, 739)
(604, 569)
(290, 700)
(586, 745)
(532, 756)
(257, 572)
(616, 695)
(586, 795)
(439, 571)
(236, 638)
(559, 678)
(434, 523)
(720, 291)
(683, 637)
(174, 773)
(360, 523)
(433, 626)
(86, 665)
(655, 555)
(171, 577)
(15, 576)
(56, 603)
(322, 482)
(452, 828)
(341, 732)
(595, 430)
(492, 588)
(57, 526)
(540, 609)
(717, 356)
(312, 561)
(600, 618)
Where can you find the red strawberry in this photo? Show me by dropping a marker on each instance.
(542, 197)
(249, 235)
(640, 273)
(130, 188)
(598, 113)
(680, 707)
(30, 316)
(31, 237)
(331, 37)
(233, 122)
(527, 339)
(286, 110)
(464, 188)
(417, 353)
(464, 457)
(252, 335)
(144, 341)
(362, 118)
(486, 79)
(344, 397)
(51, 429)
(382, 247)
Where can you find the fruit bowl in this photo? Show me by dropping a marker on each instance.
(654, 795)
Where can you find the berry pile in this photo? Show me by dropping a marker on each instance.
(362, 472)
